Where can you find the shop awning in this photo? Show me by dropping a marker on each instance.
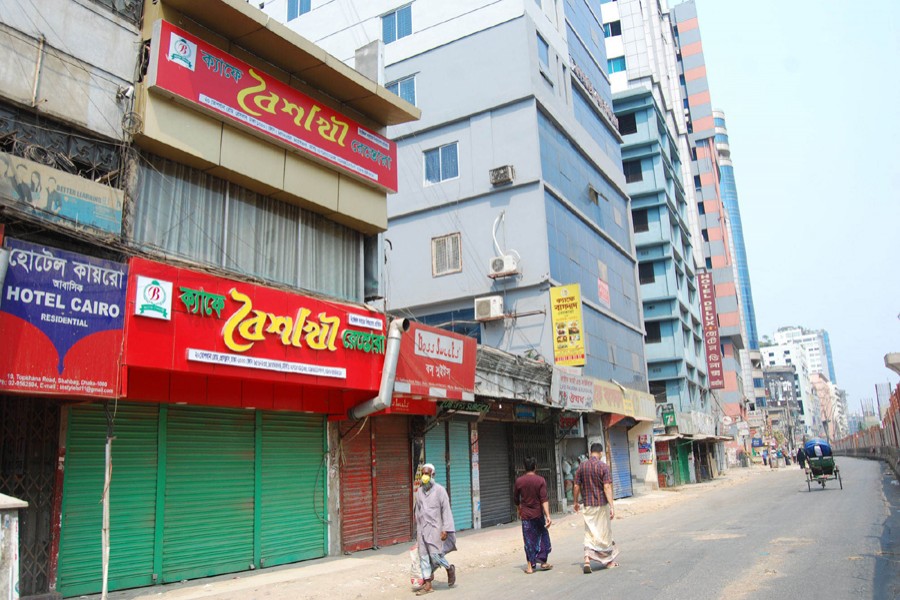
(667, 437)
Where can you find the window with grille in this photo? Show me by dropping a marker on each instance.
(446, 256)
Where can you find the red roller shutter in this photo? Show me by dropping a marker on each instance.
(357, 531)
(393, 480)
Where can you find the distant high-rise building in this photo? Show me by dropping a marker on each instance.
(815, 343)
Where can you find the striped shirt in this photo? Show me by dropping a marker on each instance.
(590, 477)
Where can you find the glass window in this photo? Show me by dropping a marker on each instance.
(612, 29)
(708, 263)
(645, 273)
(442, 163)
(641, 223)
(654, 333)
(705, 234)
(614, 65)
(297, 8)
(446, 255)
(405, 88)
(397, 24)
(627, 123)
(543, 49)
(701, 208)
(633, 171)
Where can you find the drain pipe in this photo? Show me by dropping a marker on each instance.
(386, 390)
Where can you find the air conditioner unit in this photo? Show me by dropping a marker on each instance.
(489, 308)
(502, 175)
(502, 266)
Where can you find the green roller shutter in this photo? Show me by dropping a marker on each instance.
(209, 492)
(132, 499)
(294, 477)
(460, 475)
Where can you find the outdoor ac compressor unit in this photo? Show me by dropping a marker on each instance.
(489, 308)
(503, 175)
(503, 265)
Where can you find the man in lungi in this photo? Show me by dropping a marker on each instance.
(435, 531)
(594, 482)
(530, 498)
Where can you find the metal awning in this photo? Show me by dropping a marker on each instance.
(667, 437)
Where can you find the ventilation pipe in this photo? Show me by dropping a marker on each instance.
(386, 390)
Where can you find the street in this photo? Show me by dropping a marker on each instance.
(757, 533)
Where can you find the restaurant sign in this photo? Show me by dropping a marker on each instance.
(568, 326)
(61, 317)
(224, 86)
(218, 326)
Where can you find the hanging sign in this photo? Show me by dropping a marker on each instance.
(435, 363)
(61, 317)
(568, 325)
(220, 84)
(714, 370)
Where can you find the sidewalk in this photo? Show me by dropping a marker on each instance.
(384, 572)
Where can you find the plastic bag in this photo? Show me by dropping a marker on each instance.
(415, 568)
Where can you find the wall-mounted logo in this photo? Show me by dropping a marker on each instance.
(153, 299)
(182, 51)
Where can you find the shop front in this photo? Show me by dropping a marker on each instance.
(220, 437)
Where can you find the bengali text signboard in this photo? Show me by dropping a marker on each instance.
(710, 320)
(435, 363)
(220, 84)
(568, 325)
(61, 318)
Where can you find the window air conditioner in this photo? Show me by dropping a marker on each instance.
(502, 266)
(489, 308)
(502, 175)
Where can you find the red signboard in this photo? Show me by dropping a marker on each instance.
(435, 363)
(195, 324)
(711, 331)
(220, 84)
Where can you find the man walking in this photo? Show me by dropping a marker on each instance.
(593, 480)
(435, 531)
(530, 498)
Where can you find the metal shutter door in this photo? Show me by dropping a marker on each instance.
(537, 440)
(132, 499)
(436, 451)
(621, 463)
(460, 479)
(292, 492)
(494, 474)
(210, 490)
(357, 511)
(393, 480)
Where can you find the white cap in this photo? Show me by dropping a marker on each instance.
(428, 466)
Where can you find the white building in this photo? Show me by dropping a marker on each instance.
(816, 345)
(793, 354)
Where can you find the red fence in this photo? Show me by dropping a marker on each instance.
(880, 441)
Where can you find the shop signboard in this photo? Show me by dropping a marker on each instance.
(61, 318)
(568, 325)
(710, 319)
(668, 415)
(60, 197)
(437, 364)
(571, 391)
(201, 75)
(222, 327)
(756, 442)
(570, 425)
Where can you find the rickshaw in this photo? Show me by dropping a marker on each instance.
(820, 464)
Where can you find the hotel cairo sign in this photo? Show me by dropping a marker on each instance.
(220, 84)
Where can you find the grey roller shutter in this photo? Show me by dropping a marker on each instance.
(621, 462)
(495, 477)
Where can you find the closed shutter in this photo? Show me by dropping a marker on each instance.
(436, 450)
(294, 511)
(132, 499)
(536, 440)
(460, 477)
(393, 480)
(495, 477)
(210, 485)
(357, 511)
(621, 462)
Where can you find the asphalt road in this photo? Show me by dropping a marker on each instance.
(768, 537)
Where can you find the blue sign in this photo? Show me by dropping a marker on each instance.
(66, 296)
(756, 442)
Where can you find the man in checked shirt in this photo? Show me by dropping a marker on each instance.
(593, 481)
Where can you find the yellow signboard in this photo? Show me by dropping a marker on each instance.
(568, 326)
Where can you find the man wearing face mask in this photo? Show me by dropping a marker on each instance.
(435, 531)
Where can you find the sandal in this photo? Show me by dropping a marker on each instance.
(423, 591)
(586, 569)
(546, 566)
(612, 565)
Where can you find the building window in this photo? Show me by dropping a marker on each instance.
(654, 335)
(612, 29)
(708, 263)
(705, 234)
(627, 123)
(681, 79)
(633, 171)
(297, 8)
(397, 24)
(641, 223)
(701, 208)
(446, 255)
(405, 88)
(442, 163)
(543, 49)
(614, 65)
(645, 273)
(697, 184)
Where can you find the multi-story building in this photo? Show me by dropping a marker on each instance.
(815, 343)
(784, 406)
(512, 184)
(832, 407)
(640, 49)
(184, 245)
(793, 355)
(713, 216)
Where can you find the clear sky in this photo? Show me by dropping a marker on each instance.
(811, 94)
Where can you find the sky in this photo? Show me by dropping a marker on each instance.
(811, 94)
